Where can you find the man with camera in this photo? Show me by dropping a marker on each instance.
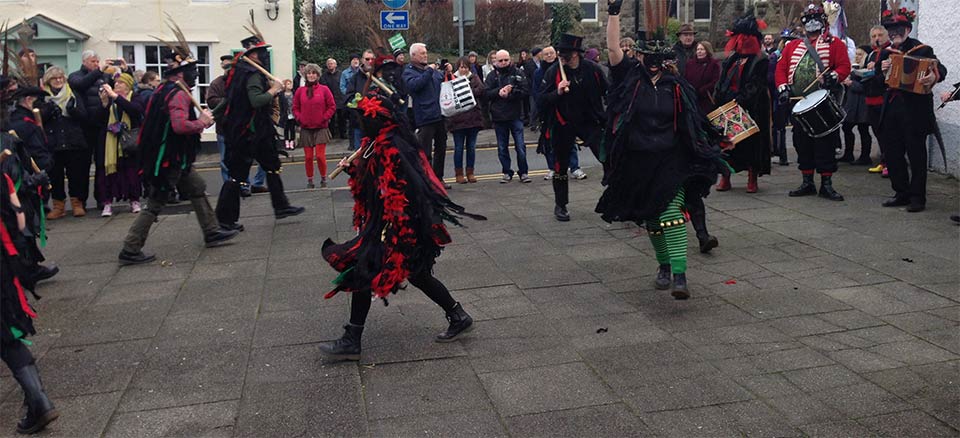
(86, 84)
(423, 83)
(505, 90)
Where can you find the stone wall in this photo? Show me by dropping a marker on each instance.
(938, 28)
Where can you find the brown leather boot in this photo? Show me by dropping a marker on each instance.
(470, 177)
(57, 211)
(78, 210)
(459, 173)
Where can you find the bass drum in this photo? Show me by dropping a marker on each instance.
(818, 114)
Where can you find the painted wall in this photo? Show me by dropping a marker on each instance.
(938, 28)
(112, 22)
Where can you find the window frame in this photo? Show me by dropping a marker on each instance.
(140, 63)
(709, 11)
(596, 10)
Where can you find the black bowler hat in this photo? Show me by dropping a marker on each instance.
(569, 43)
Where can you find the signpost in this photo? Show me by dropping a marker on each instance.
(395, 4)
(464, 14)
(394, 20)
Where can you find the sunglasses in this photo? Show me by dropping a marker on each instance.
(368, 59)
(503, 60)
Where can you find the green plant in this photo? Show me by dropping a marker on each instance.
(566, 19)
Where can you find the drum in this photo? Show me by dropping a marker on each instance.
(818, 114)
(733, 121)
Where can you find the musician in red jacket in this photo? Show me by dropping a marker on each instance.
(797, 68)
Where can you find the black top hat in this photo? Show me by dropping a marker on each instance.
(747, 25)
(253, 43)
(654, 44)
(226, 58)
(569, 43)
(28, 91)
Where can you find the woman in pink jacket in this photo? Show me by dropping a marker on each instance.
(313, 107)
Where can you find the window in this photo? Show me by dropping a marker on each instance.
(674, 9)
(589, 8)
(149, 56)
(702, 10)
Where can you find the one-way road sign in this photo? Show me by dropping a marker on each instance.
(394, 20)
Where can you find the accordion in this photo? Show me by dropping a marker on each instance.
(906, 71)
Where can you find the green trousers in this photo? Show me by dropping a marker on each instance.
(189, 184)
(669, 235)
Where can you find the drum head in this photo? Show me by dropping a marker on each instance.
(810, 101)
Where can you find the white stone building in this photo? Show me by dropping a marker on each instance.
(938, 24)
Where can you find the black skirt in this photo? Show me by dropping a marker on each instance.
(641, 184)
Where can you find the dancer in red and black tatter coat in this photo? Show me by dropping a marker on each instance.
(399, 209)
(16, 278)
(907, 118)
(796, 70)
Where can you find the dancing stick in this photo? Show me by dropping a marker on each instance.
(36, 169)
(192, 100)
(563, 76)
(37, 117)
(6, 153)
(262, 70)
(350, 159)
(382, 86)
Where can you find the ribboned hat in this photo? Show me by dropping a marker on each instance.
(902, 18)
(814, 18)
(179, 50)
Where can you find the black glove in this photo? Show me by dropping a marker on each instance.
(830, 80)
(613, 7)
(784, 97)
(37, 179)
(50, 111)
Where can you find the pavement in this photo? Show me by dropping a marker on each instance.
(812, 318)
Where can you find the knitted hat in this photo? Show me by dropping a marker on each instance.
(126, 79)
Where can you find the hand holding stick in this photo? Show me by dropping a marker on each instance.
(815, 81)
(382, 86)
(563, 77)
(192, 100)
(37, 117)
(350, 159)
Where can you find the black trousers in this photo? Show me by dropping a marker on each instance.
(435, 133)
(816, 153)
(95, 138)
(239, 163)
(75, 166)
(338, 125)
(899, 142)
(565, 139)
(425, 281)
(873, 115)
(850, 138)
(15, 355)
(289, 129)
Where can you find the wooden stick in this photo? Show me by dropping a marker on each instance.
(6, 153)
(33, 164)
(815, 80)
(262, 70)
(192, 100)
(350, 159)
(563, 76)
(37, 117)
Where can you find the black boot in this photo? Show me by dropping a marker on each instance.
(40, 411)
(782, 148)
(807, 187)
(281, 205)
(228, 203)
(663, 278)
(245, 190)
(826, 189)
(345, 348)
(680, 290)
(698, 217)
(460, 322)
(561, 195)
(44, 273)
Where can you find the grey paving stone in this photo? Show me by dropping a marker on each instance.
(812, 380)
(418, 388)
(768, 304)
(836, 429)
(889, 298)
(610, 330)
(913, 352)
(864, 361)
(798, 409)
(495, 302)
(499, 354)
(480, 272)
(102, 368)
(301, 292)
(767, 385)
(206, 420)
(850, 319)
(754, 418)
(917, 322)
(301, 326)
(683, 317)
(399, 337)
(909, 423)
(685, 393)
(798, 326)
(292, 363)
(944, 338)
(233, 269)
(200, 331)
(119, 294)
(170, 378)
(117, 322)
(473, 423)
(577, 300)
(58, 287)
(741, 340)
(292, 268)
(644, 364)
(335, 409)
(708, 421)
(152, 272)
(596, 421)
(861, 400)
(531, 390)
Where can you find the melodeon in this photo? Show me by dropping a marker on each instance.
(906, 72)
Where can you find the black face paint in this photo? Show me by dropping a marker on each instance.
(651, 61)
(190, 77)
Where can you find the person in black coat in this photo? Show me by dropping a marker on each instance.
(505, 90)
(86, 85)
(855, 105)
(907, 117)
(63, 120)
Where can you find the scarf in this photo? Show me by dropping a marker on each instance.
(60, 98)
(113, 151)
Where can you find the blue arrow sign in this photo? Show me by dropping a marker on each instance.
(395, 4)
(394, 20)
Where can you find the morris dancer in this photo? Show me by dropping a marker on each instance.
(660, 150)
(399, 209)
(803, 60)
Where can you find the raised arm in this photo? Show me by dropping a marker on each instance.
(613, 32)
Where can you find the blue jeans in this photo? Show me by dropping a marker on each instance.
(574, 159)
(468, 136)
(355, 140)
(504, 130)
(259, 179)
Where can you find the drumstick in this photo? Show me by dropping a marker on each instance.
(382, 86)
(563, 76)
(192, 100)
(262, 70)
(815, 80)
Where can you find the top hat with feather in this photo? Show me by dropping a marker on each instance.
(179, 50)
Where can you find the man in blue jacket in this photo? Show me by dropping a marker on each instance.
(423, 85)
